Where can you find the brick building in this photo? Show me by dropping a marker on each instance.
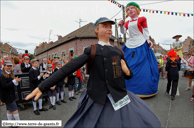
(72, 44)
(157, 48)
(188, 45)
(7, 50)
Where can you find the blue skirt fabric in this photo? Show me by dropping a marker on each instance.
(90, 114)
(142, 62)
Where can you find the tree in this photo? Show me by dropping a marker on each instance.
(31, 56)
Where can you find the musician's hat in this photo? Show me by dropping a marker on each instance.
(179, 36)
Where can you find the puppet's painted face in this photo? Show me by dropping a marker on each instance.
(105, 30)
(131, 10)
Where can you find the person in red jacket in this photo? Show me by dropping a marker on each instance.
(26, 54)
(56, 58)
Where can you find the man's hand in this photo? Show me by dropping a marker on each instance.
(37, 93)
(124, 67)
(52, 88)
(41, 74)
(17, 79)
(150, 43)
(46, 75)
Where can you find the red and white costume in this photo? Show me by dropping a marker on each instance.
(137, 30)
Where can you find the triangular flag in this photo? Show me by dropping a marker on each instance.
(152, 11)
(179, 14)
(164, 12)
(161, 12)
(168, 13)
(156, 11)
(143, 10)
(172, 13)
(183, 14)
(149, 11)
(191, 14)
(188, 15)
(175, 13)
(146, 10)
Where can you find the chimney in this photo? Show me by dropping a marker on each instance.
(59, 37)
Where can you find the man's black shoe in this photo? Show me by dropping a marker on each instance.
(58, 103)
(63, 101)
(172, 97)
(70, 99)
(37, 112)
(50, 106)
(43, 109)
(73, 97)
(54, 107)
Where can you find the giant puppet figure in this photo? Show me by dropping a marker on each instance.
(139, 55)
(177, 45)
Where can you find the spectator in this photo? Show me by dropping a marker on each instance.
(44, 64)
(20, 58)
(191, 64)
(11, 59)
(7, 91)
(64, 62)
(26, 54)
(189, 67)
(5, 58)
(49, 61)
(161, 61)
(56, 58)
(16, 66)
(25, 66)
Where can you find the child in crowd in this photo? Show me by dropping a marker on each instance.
(7, 91)
(172, 74)
(105, 102)
(70, 83)
(59, 88)
(52, 90)
(191, 64)
(35, 78)
(26, 66)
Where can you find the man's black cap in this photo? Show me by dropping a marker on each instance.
(102, 20)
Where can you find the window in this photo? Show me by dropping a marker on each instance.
(63, 54)
(53, 54)
(71, 52)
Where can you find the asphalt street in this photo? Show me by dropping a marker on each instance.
(178, 113)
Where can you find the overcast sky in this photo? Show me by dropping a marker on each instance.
(26, 24)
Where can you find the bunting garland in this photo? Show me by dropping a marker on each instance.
(114, 2)
(157, 11)
(167, 12)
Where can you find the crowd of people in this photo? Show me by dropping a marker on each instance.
(38, 72)
(185, 63)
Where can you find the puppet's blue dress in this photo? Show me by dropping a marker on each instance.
(141, 59)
